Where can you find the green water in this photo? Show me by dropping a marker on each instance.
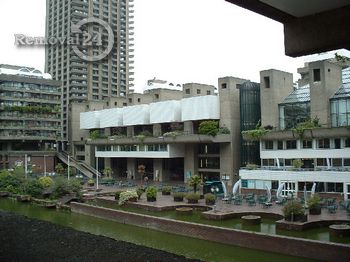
(267, 225)
(186, 246)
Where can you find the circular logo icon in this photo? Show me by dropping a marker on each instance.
(92, 39)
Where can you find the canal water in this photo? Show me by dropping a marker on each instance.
(186, 246)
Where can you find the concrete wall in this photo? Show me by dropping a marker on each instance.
(284, 245)
(279, 87)
(230, 118)
(322, 91)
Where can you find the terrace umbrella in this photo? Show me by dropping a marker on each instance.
(268, 192)
(224, 189)
(305, 194)
(313, 189)
(235, 187)
(279, 191)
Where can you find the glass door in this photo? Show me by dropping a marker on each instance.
(289, 189)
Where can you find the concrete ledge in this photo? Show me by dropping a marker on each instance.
(284, 245)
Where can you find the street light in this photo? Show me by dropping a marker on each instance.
(44, 165)
(214, 190)
(68, 167)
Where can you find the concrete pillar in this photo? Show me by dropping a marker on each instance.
(159, 175)
(107, 131)
(130, 131)
(157, 130)
(188, 127)
(131, 168)
(190, 161)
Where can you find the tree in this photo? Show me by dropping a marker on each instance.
(59, 169)
(108, 172)
(195, 181)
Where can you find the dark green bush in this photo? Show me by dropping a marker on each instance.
(32, 187)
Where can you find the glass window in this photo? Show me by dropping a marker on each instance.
(346, 161)
(244, 183)
(321, 162)
(280, 145)
(307, 143)
(291, 144)
(323, 143)
(337, 143)
(288, 162)
(269, 145)
(337, 161)
(347, 142)
(209, 162)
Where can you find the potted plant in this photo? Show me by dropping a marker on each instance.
(140, 191)
(91, 182)
(195, 181)
(192, 198)
(166, 190)
(151, 194)
(178, 196)
(314, 205)
(209, 199)
(117, 195)
(293, 211)
(127, 196)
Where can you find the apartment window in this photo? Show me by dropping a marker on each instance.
(288, 162)
(291, 144)
(346, 161)
(208, 92)
(321, 162)
(337, 143)
(280, 145)
(269, 145)
(323, 143)
(198, 91)
(307, 143)
(268, 162)
(317, 75)
(347, 142)
(267, 81)
(156, 96)
(337, 162)
(139, 100)
(125, 104)
(223, 85)
(188, 91)
(335, 187)
(130, 100)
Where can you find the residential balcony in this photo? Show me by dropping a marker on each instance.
(185, 138)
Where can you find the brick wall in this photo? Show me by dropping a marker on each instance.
(285, 245)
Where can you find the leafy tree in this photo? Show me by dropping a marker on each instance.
(195, 181)
(59, 169)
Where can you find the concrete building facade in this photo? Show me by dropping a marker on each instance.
(84, 80)
(30, 118)
(318, 155)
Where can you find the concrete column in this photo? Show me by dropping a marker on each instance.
(108, 131)
(159, 175)
(157, 130)
(190, 161)
(131, 168)
(188, 127)
(130, 131)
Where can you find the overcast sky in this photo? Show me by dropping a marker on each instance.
(176, 40)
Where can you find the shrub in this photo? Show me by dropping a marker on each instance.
(140, 191)
(117, 195)
(193, 196)
(10, 182)
(91, 182)
(126, 196)
(223, 130)
(173, 134)
(314, 201)
(33, 187)
(63, 187)
(166, 189)
(179, 194)
(151, 192)
(46, 181)
(254, 134)
(209, 197)
(59, 169)
(297, 163)
(210, 128)
(293, 207)
(251, 166)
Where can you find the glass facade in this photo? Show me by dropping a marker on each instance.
(340, 112)
(249, 98)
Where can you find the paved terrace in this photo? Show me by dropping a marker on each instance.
(222, 208)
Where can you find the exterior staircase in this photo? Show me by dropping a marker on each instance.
(79, 165)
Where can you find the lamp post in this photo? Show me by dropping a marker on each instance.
(96, 173)
(214, 190)
(26, 166)
(44, 165)
(68, 167)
